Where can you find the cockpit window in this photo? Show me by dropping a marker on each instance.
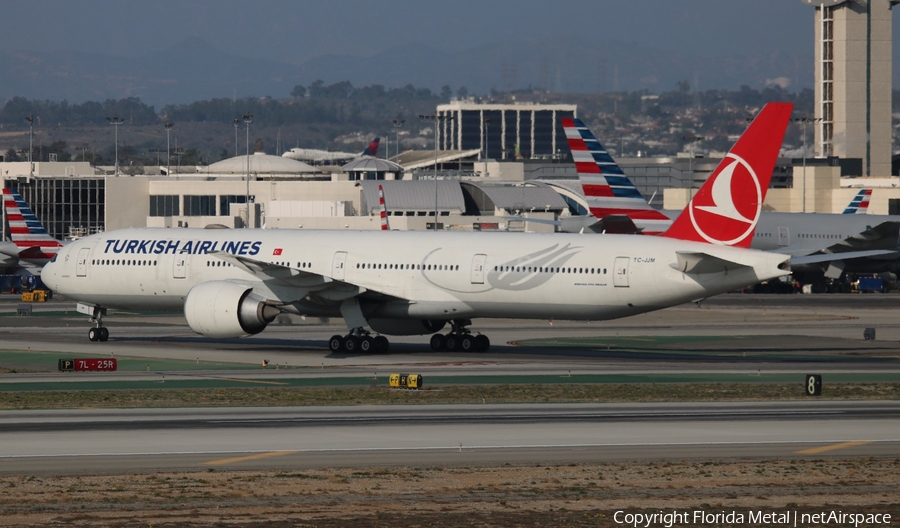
(54, 258)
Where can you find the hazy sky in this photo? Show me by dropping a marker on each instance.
(296, 30)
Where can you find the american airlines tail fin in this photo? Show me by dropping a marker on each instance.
(384, 218)
(726, 209)
(372, 149)
(859, 204)
(606, 188)
(27, 232)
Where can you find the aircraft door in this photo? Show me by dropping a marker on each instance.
(81, 262)
(337, 265)
(478, 268)
(620, 272)
(181, 263)
(784, 236)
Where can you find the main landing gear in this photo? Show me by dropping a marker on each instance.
(460, 339)
(99, 332)
(359, 341)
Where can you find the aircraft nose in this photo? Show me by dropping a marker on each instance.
(49, 275)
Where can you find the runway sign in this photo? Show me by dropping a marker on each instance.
(406, 381)
(813, 385)
(87, 364)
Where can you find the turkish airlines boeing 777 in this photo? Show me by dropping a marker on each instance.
(232, 283)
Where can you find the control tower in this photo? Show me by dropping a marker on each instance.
(853, 81)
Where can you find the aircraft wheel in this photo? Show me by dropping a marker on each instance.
(94, 334)
(351, 344)
(467, 343)
(482, 343)
(104, 334)
(453, 342)
(438, 342)
(366, 344)
(381, 345)
(336, 343)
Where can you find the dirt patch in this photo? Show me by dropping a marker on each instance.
(456, 394)
(573, 495)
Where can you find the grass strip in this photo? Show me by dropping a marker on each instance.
(451, 394)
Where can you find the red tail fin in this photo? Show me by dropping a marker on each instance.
(384, 219)
(726, 209)
(372, 149)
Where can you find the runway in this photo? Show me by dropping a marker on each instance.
(110, 441)
(730, 338)
(743, 333)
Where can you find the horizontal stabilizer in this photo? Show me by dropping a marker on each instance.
(696, 263)
(32, 252)
(615, 225)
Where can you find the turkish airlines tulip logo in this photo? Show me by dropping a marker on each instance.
(729, 213)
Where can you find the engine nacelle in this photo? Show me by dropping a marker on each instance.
(226, 309)
(406, 326)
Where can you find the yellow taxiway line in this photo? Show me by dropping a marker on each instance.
(817, 450)
(245, 458)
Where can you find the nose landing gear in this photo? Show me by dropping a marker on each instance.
(99, 332)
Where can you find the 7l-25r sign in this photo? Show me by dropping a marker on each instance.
(87, 364)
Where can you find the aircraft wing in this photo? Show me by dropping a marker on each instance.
(295, 283)
(818, 258)
(885, 235)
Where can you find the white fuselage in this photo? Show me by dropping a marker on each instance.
(438, 275)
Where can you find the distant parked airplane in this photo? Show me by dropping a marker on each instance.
(325, 157)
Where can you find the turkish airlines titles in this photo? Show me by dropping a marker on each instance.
(181, 247)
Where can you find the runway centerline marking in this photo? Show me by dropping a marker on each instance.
(249, 457)
(832, 447)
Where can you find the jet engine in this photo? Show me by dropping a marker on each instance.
(227, 309)
(406, 326)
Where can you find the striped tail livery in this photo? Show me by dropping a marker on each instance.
(859, 204)
(35, 245)
(609, 193)
(384, 218)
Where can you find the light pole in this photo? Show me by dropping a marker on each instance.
(436, 119)
(168, 126)
(487, 129)
(236, 123)
(248, 118)
(115, 120)
(692, 139)
(83, 149)
(398, 123)
(30, 120)
(178, 152)
(158, 151)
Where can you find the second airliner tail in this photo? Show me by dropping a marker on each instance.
(606, 188)
(26, 231)
(860, 203)
(372, 149)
